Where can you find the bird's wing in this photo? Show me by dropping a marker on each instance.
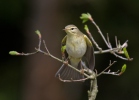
(89, 55)
(65, 72)
(63, 48)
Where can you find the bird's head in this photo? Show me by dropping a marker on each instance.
(71, 30)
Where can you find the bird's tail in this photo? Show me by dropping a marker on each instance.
(67, 73)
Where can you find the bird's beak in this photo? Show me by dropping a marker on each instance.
(64, 29)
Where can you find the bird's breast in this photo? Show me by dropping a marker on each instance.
(76, 46)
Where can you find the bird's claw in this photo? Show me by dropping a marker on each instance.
(82, 71)
(66, 62)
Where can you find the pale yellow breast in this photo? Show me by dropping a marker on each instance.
(76, 46)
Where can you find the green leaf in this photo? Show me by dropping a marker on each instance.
(85, 17)
(63, 48)
(126, 53)
(85, 20)
(86, 28)
(89, 15)
(13, 53)
(38, 33)
(123, 68)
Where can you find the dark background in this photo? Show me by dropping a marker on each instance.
(32, 77)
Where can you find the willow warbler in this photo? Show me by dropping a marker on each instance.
(78, 47)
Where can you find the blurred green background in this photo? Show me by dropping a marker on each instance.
(32, 77)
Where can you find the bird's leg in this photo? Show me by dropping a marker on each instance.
(66, 62)
(82, 69)
(63, 56)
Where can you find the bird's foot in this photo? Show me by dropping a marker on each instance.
(66, 62)
(82, 71)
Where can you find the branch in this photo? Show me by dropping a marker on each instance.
(106, 68)
(99, 31)
(118, 73)
(115, 51)
(111, 73)
(93, 90)
(48, 54)
(86, 72)
(93, 40)
(80, 80)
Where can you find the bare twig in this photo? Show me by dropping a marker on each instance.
(116, 41)
(28, 54)
(120, 56)
(110, 50)
(117, 50)
(99, 31)
(107, 42)
(80, 80)
(39, 45)
(112, 73)
(46, 47)
(106, 68)
(95, 43)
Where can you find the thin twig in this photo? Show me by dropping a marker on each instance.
(80, 80)
(28, 54)
(95, 43)
(46, 47)
(107, 42)
(99, 31)
(116, 41)
(112, 73)
(106, 68)
(39, 45)
(119, 56)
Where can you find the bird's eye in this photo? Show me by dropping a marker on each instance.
(72, 28)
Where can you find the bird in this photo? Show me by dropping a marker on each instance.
(78, 48)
